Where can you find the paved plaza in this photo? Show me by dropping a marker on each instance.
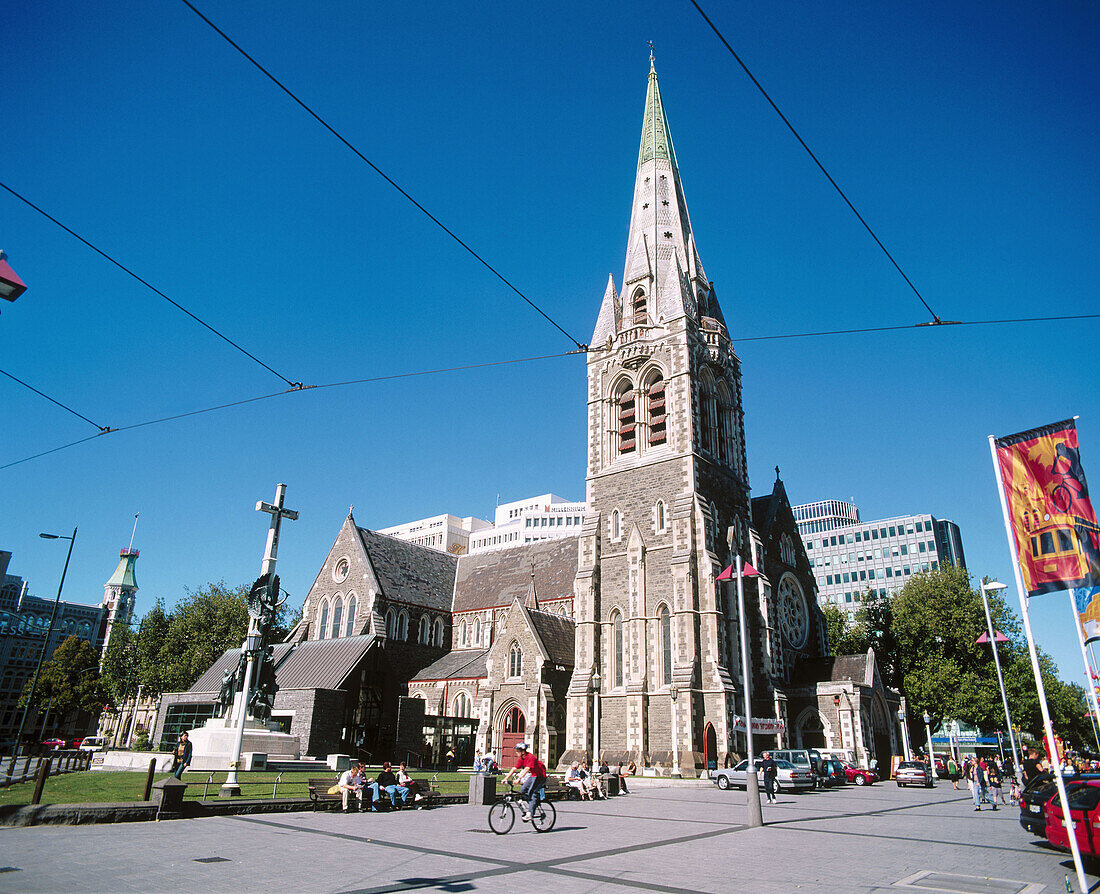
(686, 838)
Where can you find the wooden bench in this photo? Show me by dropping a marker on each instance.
(318, 790)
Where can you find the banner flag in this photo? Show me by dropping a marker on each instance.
(1053, 523)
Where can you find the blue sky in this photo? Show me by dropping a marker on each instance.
(964, 132)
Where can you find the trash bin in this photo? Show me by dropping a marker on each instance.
(483, 789)
(610, 784)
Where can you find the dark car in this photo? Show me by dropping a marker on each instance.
(833, 774)
(1037, 795)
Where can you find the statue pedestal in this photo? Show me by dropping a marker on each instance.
(213, 742)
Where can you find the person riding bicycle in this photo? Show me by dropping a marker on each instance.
(532, 775)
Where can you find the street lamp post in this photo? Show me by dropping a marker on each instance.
(931, 754)
(904, 734)
(985, 588)
(45, 643)
(596, 718)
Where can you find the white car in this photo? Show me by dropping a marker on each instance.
(790, 776)
(93, 743)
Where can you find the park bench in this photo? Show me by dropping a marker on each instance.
(318, 790)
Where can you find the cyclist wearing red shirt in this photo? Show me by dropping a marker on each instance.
(532, 775)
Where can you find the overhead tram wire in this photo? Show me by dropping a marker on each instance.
(428, 372)
(935, 321)
(384, 175)
(295, 390)
(103, 429)
(148, 285)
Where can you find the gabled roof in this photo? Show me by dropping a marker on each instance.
(408, 572)
(495, 578)
(466, 664)
(312, 664)
(857, 669)
(557, 635)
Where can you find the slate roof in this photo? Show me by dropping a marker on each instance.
(493, 579)
(312, 664)
(409, 572)
(557, 635)
(837, 669)
(466, 664)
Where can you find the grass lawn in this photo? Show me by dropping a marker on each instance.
(112, 786)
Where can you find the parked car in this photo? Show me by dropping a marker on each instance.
(831, 773)
(801, 759)
(1034, 799)
(790, 776)
(55, 744)
(913, 773)
(93, 743)
(1084, 801)
(860, 776)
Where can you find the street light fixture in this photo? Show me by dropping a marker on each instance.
(11, 286)
(931, 754)
(45, 643)
(985, 588)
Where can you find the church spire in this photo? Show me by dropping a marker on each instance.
(663, 272)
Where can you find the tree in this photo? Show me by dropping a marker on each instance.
(200, 628)
(69, 680)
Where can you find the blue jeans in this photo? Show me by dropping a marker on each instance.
(533, 789)
(178, 772)
(394, 791)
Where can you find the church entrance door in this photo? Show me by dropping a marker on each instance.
(514, 732)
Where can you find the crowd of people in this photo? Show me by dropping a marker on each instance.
(398, 787)
(590, 784)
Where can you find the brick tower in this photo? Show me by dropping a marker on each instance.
(668, 494)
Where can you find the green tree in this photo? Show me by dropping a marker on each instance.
(69, 680)
(200, 628)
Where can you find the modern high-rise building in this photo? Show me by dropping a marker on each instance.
(446, 533)
(854, 559)
(546, 517)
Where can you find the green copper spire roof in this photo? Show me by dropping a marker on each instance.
(656, 142)
(124, 575)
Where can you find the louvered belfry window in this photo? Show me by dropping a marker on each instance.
(658, 433)
(628, 419)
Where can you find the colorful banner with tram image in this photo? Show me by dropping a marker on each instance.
(1052, 519)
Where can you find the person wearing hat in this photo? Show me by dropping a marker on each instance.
(532, 775)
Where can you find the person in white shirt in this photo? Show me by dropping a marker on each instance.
(351, 783)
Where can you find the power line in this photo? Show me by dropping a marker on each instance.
(293, 390)
(935, 319)
(383, 174)
(103, 429)
(915, 326)
(148, 285)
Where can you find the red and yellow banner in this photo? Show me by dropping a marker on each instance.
(1053, 523)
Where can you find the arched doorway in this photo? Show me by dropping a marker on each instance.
(710, 748)
(812, 732)
(880, 731)
(513, 732)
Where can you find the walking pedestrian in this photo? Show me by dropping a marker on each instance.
(953, 773)
(181, 757)
(771, 771)
(996, 792)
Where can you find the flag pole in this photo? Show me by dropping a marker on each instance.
(1048, 729)
(1094, 708)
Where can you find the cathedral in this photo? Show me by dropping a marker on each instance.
(622, 642)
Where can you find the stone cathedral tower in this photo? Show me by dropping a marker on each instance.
(667, 491)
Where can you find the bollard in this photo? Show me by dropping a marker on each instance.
(149, 779)
(40, 781)
(26, 769)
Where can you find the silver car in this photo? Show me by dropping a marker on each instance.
(790, 777)
(913, 773)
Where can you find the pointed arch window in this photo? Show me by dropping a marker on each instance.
(477, 632)
(438, 631)
(462, 633)
(515, 661)
(665, 624)
(627, 420)
(616, 524)
(617, 645)
(639, 308)
(391, 623)
(352, 604)
(460, 707)
(337, 613)
(424, 636)
(656, 412)
(403, 626)
(322, 621)
(514, 721)
(661, 516)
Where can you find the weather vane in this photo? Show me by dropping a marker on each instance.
(651, 54)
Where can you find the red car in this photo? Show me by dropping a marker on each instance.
(860, 776)
(53, 743)
(1084, 799)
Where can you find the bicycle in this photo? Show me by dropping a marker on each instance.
(502, 815)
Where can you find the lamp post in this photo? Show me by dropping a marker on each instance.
(904, 733)
(673, 691)
(752, 786)
(596, 717)
(45, 642)
(985, 588)
(931, 755)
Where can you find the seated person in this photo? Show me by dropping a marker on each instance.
(351, 783)
(406, 782)
(489, 764)
(631, 768)
(591, 782)
(574, 780)
(387, 782)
